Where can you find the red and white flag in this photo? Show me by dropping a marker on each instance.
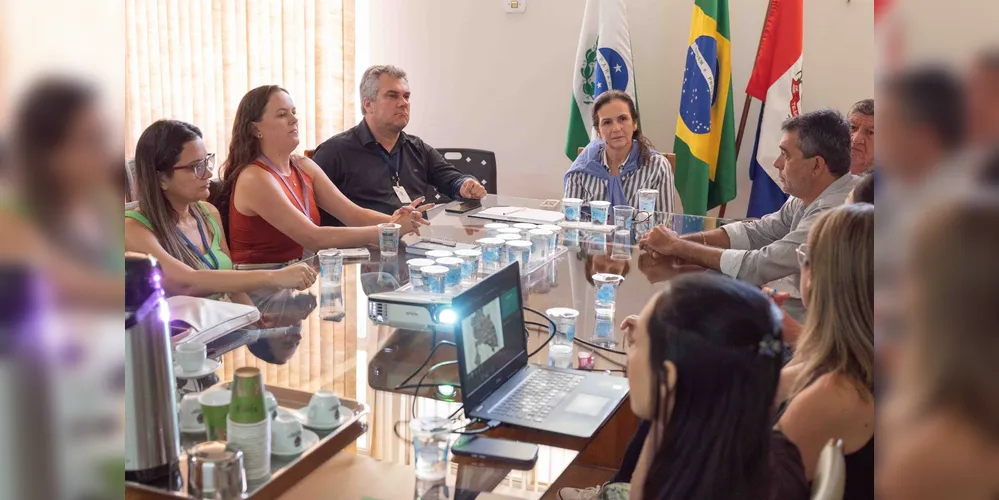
(776, 80)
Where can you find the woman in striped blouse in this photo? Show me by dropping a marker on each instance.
(621, 161)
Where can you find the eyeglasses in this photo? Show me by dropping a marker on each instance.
(202, 168)
(802, 253)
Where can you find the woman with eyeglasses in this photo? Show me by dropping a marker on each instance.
(173, 172)
(828, 386)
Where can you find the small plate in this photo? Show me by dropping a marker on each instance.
(302, 415)
(193, 430)
(207, 368)
(309, 439)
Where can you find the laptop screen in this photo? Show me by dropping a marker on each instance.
(490, 336)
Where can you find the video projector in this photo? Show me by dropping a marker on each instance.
(412, 311)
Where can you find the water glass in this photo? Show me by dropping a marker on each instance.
(434, 278)
(597, 242)
(571, 208)
(540, 243)
(519, 251)
(524, 227)
(416, 274)
(571, 238)
(565, 324)
(453, 265)
(492, 253)
(508, 231)
(430, 446)
(603, 329)
(622, 245)
(560, 355)
(331, 306)
(647, 200)
(493, 227)
(606, 290)
(388, 238)
(622, 216)
(556, 232)
(598, 212)
(439, 254)
(469, 264)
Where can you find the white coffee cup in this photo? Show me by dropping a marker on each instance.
(190, 412)
(324, 408)
(286, 434)
(191, 356)
(255, 441)
(271, 404)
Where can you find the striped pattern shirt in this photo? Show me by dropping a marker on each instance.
(655, 174)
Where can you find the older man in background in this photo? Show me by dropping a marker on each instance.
(861, 119)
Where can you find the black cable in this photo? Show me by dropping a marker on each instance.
(593, 346)
(424, 377)
(539, 325)
(539, 314)
(429, 357)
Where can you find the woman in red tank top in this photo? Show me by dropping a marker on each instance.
(270, 198)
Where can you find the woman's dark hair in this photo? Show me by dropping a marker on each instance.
(724, 336)
(156, 152)
(863, 192)
(41, 126)
(244, 146)
(644, 144)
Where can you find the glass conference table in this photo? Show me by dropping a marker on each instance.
(361, 360)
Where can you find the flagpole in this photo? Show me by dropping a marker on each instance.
(749, 100)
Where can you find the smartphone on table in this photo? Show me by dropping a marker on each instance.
(515, 453)
(463, 206)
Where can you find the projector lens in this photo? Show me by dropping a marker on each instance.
(447, 317)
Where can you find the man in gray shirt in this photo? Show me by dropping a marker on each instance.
(814, 166)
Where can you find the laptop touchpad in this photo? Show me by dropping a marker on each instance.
(586, 404)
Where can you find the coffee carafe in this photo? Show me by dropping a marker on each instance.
(152, 441)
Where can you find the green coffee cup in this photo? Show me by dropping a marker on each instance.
(248, 405)
(214, 409)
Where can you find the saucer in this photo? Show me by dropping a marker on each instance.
(309, 439)
(207, 368)
(302, 415)
(193, 430)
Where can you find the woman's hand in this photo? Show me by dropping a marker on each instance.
(627, 326)
(300, 276)
(410, 217)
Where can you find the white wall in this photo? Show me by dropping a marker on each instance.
(485, 79)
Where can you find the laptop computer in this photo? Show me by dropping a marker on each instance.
(498, 383)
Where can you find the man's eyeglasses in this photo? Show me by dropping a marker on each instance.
(202, 168)
(802, 253)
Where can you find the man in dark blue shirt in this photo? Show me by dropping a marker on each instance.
(380, 167)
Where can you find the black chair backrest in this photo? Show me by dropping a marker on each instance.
(478, 163)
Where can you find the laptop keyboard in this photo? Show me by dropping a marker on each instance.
(537, 395)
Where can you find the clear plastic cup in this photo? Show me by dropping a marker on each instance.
(469, 264)
(493, 227)
(520, 251)
(492, 253)
(598, 212)
(434, 278)
(603, 329)
(439, 254)
(388, 238)
(430, 446)
(524, 227)
(415, 273)
(606, 290)
(556, 232)
(560, 355)
(571, 208)
(540, 243)
(509, 230)
(453, 265)
(622, 245)
(623, 214)
(647, 200)
(597, 242)
(571, 238)
(565, 324)
(331, 306)
(506, 238)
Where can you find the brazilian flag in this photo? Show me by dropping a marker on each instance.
(705, 129)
